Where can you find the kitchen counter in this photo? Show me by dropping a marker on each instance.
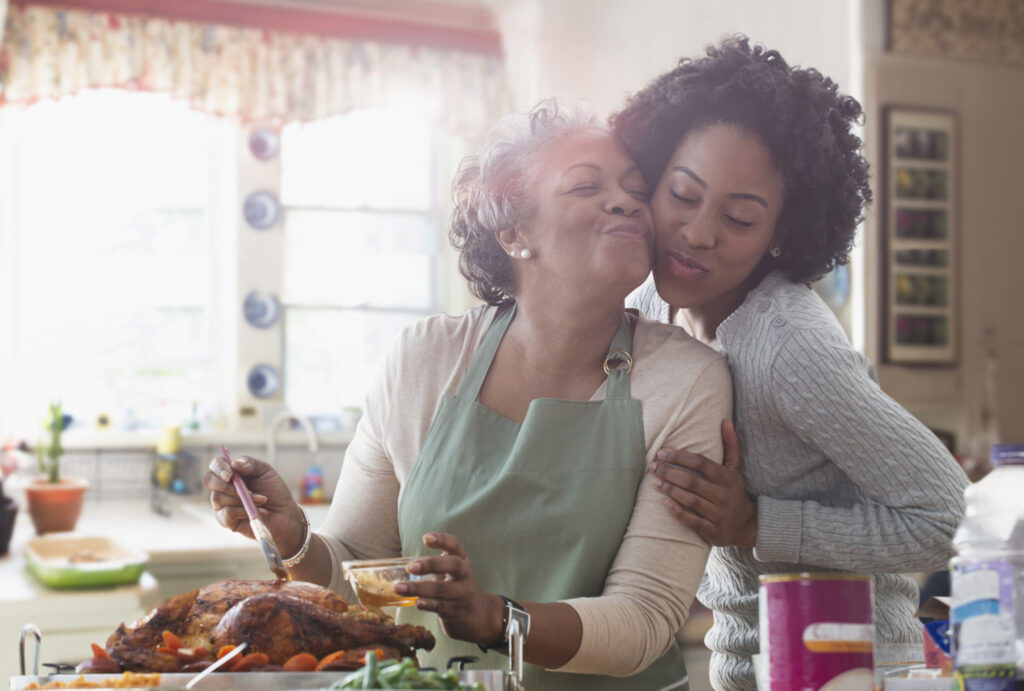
(186, 550)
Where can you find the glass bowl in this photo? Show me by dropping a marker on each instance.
(373, 580)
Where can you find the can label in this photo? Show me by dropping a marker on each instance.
(817, 633)
(984, 656)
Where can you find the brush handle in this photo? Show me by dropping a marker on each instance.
(241, 489)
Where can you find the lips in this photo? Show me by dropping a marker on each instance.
(630, 231)
(685, 266)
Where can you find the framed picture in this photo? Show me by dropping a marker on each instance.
(920, 236)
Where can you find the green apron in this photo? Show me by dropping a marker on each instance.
(541, 507)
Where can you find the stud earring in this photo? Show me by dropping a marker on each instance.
(511, 253)
(775, 251)
(526, 254)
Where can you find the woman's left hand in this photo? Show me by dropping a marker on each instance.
(467, 612)
(708, 497)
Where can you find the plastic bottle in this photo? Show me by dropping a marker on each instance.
(988, 579)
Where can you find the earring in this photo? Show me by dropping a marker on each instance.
(511, 253)
(775, 251)
(526, 254)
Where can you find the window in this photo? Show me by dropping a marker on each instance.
(112, 295)
(362, 235)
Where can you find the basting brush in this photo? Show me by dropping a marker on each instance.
(259, 530)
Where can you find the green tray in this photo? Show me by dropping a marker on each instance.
(65, 560)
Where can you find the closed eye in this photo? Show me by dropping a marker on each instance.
(685, 200)
(585, 188)
(745, 224)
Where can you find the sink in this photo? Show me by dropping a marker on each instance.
(203, 512)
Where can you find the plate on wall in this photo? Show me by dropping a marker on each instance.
(261, 210)
(264, 143)
(261, 309)
(834, 287)
(263, 381)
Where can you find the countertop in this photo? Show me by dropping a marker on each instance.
(189, 545)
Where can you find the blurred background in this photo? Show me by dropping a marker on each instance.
(215, 215)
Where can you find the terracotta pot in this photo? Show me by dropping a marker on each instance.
(53, 507)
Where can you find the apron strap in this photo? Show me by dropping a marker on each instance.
(480, 364)
(619, 350)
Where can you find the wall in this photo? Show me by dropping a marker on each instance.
(988, 100)
(603, 50)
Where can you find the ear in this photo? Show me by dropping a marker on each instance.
(510, 239)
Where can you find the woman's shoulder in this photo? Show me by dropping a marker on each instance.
(441, 340)
(667, 350)
(774, 311)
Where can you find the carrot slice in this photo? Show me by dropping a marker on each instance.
(172, 641)
(301, 662)
(224, 650)
(328, 659)
(99, 652)
(200, 651)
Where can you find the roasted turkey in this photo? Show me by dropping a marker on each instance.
(276, 618)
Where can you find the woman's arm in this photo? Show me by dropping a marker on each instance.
(827, 395)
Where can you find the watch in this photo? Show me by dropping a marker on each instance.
(502, 644)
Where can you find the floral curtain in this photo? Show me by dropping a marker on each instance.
(253, 74)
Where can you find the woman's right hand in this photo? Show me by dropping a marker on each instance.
(279, 511)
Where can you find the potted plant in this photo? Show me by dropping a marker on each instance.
(54, 501)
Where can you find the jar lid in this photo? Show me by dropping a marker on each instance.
(1007, 454)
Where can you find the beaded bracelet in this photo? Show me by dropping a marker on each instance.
(291, 562)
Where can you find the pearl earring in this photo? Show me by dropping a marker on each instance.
(526, 254)
(775, 251)
(511, 253)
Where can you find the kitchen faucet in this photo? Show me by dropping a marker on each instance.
(284, 415)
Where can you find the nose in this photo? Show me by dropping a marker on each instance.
(700, 231)
(623, 203)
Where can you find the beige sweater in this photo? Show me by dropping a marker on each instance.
(685, 392)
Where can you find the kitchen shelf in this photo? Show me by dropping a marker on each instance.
(920, 234)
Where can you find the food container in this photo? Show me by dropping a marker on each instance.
(817, 632)
(373, 580)
(66, 560)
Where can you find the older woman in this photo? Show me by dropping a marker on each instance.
(514, 438)
(760, 187)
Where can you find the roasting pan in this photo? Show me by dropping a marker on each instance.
(490, 679)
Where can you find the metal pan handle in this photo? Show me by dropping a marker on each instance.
(25, 630)
(518, 628)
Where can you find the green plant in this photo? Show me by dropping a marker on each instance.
(48, 453)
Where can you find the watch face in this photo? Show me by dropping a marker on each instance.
(261, 210)
(261, 309)
(263, 381)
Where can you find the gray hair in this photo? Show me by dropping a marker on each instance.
(491, 191)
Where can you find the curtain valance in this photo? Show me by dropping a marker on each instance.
(250, 73)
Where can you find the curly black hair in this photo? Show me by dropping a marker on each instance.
(799, 115)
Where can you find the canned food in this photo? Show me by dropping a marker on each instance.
(817, 632)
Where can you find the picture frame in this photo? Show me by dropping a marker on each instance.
(920, 235)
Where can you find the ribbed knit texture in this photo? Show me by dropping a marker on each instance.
(845, 478)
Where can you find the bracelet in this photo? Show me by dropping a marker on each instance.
(291, 562)
(502, 645)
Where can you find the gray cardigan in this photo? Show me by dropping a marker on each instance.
(845, 478)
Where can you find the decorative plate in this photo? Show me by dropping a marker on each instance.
(261, 309)
(263, 381)
(261, 210)
(264, 143)
(834, 287)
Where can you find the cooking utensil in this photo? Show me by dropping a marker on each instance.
(221, 661)
(259, 530)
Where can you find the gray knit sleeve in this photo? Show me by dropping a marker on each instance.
(911, 497)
